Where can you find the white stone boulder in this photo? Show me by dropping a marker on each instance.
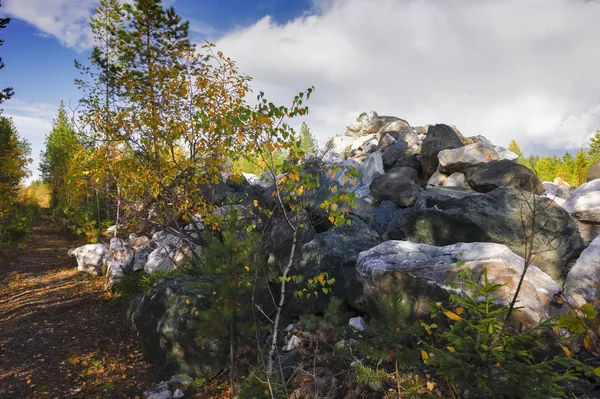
(457, 180)
(170, 251)
(459, 159)
(505, 154)
(555, 191)
(583, 281)
(424, 271)
(584, 202)
(90, 258)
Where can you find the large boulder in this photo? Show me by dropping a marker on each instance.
(459, 159)
(279, 238)
(583, 281)
(368, 123)
(496, 217)
(505, 154)
(411, 161)
(584, 202)
(392, 153)
(439, 138)
(165, 319)
(457, 180)
(171, 251)
(384, 214)
(492, 175)
(398, 186)
(333, 252)
(555, 191)
(120, 263)
(594, 171)
(424, 270)
(90, 258)
(372, 168)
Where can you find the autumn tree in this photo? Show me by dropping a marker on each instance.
(14, 157)
(8, 92)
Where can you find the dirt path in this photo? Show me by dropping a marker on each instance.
(61, 335)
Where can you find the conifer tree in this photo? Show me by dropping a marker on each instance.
(60, 147)
(308, 143)
(594, 151)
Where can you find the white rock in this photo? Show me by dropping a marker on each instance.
(437, 179)
(159, 391)
(178, 394)
(372, 168)
(339, 144)
(583, 279)
(457, 180)
(90, 257)
(293, 343)
(553, 190)
(363, 192)
(504, 153)
(459, 159)
(584, 202)
(425, 269)
(357, 323)
(252, 179)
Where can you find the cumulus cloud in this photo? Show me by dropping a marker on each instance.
(523, 69)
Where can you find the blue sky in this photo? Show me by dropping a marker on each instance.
(511, 69)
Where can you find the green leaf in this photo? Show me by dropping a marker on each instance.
(589, 310)
(572, 323)
(597, 371)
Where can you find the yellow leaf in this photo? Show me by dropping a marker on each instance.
(331, 219)
(187, 301)
(333, 207)
(424, 356)
(256, 203)
(333, 189)
(566, 350)
(459, 311)
(247, 268)
(451, 349)
(453, 316)
(300, 190)
(587, 342)
(430, 385)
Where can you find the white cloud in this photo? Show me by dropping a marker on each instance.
(523, 69)
(66, 20)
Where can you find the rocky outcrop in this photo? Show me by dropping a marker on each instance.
(369, 123)
(496, 174)
(424, 270)
(555, 191)
(583, 281)
(453, 216)
(439, 138)
(171, 251)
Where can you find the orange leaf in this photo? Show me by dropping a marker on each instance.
(453, 316)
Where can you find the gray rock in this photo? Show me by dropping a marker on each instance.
(583, 281)
(457, 180)
(480, 139)
(158, 391)
(141, 257)
(165, 319)
(178, 394)
(334, 252)
(411, 161)
(279, 236)
(459, 159)
(293, 343)
(594, 171)
(497, 217)
(439, 138)
(432, 196)
(393, 152)
(170, 251)
(394, 129)
(396, 186)
(588, 231)
(424, 270)
(553, 190)
(339, 145)
(90, 258)
(584, 202)
(496, 174)
(216, 194)
(384, 214)
(372, 168)
(342, 174)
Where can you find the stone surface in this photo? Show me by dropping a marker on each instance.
(278, 240)
(457, 180)
(358, 323)
(411, 161)
(392, 153)
(496, 174)
(178, 394)
(169, 252)
(496, 217)
(334, 252)
(437, 179)
(90, 258)
(505, 154)
(384, 214)
(368, 123)
(372, 168)
(396, 186)
(583, 281)
(584, 202)
(423, 271)
(158, 391)
(594, 171)
(553, 190)
(293, 343)
(339, 145)
(439, 138)
(459, 159)
(165, 320)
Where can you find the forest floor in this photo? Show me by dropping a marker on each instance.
(61, 334)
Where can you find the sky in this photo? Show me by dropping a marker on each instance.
(527, 70)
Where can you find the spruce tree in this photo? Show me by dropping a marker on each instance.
(594, 151)
(308, 143)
